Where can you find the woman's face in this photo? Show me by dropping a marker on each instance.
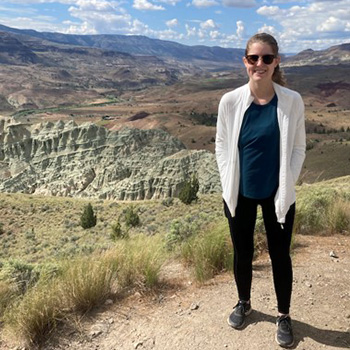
(260, 71)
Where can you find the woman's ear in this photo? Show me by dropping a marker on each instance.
(278, 60)
(244, 61)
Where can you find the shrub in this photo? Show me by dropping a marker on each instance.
(188, 194)
(19, 274)
(323, 208)
(117, 232)
(312, 208)
(88, 219)
(180, 230)
(132, 218)
(168, 202)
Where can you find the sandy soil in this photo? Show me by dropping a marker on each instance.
(194, 317)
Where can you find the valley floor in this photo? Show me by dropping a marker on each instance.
(194, 317)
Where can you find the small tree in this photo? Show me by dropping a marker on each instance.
(88, 218)
(132, 219)
(188, 194)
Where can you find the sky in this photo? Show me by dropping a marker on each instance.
(297, 25)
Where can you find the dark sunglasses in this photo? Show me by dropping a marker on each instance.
(267, 59)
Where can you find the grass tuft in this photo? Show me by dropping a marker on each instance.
(33, 319)
(87, 282)
(139, 261)
(209, 252)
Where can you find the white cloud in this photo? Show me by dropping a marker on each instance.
(268, 10)
(332, 24)
(146, 5)
(270, 30)
(24, 2)
(32, 23)
(93, 5)
(204, 3)
(208, 24)
(169, 34)
(286, 1)
(214, 34)
(169, 2)
(172, 23)
(191, 31)
(99, 16)
(79, 28)
(316, 21)
(239, 3)
(240, 29)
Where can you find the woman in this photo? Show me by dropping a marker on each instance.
(260, 149)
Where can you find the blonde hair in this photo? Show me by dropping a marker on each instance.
(278, 76)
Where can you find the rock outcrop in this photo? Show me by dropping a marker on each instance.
(66, 159)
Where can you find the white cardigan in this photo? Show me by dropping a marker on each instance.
(290, 114)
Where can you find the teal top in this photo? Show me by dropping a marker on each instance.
(259, 150)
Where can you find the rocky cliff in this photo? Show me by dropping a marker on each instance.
(66, 159)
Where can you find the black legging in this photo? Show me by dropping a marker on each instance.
(278, 237)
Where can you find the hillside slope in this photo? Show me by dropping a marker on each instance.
(191, 317)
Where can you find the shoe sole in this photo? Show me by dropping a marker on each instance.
(282, 345)
(242, 325)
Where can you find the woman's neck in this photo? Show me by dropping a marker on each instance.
(262, 92)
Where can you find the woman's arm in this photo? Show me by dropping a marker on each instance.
(299, 145)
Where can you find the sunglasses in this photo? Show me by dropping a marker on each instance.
(267, 59)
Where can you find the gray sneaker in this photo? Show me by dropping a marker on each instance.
(284, 335)
(240, 311)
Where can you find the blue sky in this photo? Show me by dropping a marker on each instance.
(297, 25)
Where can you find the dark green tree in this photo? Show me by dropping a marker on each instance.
(188, 194)
(88, 218)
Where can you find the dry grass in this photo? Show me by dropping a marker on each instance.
(58, 289)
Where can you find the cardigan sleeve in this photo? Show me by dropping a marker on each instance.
(221, 141)
(299, 145)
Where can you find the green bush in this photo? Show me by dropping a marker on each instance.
(180, 230)
(132, 218)
(188, 194)
(118, 232)
(88, 219)
(168, 202)
(322, 209)
(19, 274)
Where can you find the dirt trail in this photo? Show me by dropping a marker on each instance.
(194, 317)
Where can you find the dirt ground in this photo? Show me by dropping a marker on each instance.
(190, 317)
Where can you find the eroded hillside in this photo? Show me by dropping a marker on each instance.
(87, 160)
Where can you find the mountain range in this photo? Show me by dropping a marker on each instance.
(199, 54)
(137, 45)
(43, 70)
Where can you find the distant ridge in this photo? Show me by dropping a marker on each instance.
(141, 45)
(339, 54)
